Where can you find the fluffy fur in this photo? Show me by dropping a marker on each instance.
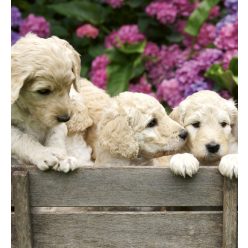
(42, 72)
(209, 120)
(119, 135)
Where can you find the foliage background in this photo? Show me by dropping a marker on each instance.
(165, 48)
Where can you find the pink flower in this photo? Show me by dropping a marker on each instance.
(228, 37)
(164, 12)
(115, 3)
(169, 91)
(228, 57)
(35, 24)
(206, 35)
(87, 30)
(141, 86)
(98, 73)
(214, 12)
(126, 34)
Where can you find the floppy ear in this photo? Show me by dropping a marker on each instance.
(116, 135)
(18, 74)
(80, 119)
(176, 115)
(233, 113)
(75, 58)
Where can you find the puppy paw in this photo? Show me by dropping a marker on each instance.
(229, 165)
(66, 165)
(184, 164)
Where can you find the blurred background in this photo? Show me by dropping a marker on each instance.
(166, 48)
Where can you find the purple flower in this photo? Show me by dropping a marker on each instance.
(35, 24)
(197, 86)
(206, 35)
(164, 12)
(114, 3)
(228, 37)
(170, 92)
(141, 86)
(14, 37)
(214, 12)
(227, 19)
(184, 7)
(225, 94)
(189, 72)
(126, 34)
(232, 5)
(16, 17)
(228, 57)
(208, 57)
(98, 73)
(151, 50)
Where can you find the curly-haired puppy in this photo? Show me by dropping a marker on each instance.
(42, 73)
(211, 122)
(134, 130)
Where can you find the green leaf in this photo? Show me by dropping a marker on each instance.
(233, 66)
(82, 11)
(118, 78)
(225, 79)
(133, 48)
(116, 56)
(96, 50)
(199, 16)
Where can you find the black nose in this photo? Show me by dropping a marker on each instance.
(213, 147)
(63, 118)
(183, 134)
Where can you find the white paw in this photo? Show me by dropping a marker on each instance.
(184, 164)
(66, 165)
(229, 165)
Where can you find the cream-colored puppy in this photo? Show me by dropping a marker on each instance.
(42, 72)
(211, 122)
(134, 130)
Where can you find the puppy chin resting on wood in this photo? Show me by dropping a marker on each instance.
(42, 73)
(211, 122)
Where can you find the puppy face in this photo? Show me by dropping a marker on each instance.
(210, 121)
(138, 126)
(43, 71)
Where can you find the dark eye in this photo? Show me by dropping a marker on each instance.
(196, 124)
(152, 123)
(44, 91)
(223, 124)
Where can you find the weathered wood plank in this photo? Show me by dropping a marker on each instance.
(124, 230)
(128, 186)
(230, 201)
(13, 231)
(22, 213)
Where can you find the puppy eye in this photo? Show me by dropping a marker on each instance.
(152, 123)
(196, 124)
(44, 91)
(223, 124)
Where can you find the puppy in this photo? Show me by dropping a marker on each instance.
(134, 130)
(211, 122)
(42, 72)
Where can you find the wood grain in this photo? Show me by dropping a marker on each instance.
(127, 229)
(22, 210)
(230, 201)
(125, 186)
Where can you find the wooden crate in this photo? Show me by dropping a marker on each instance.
(69, 210)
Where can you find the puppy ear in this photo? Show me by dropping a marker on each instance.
(176, 115)
(18, 73)
(233, 113)
(116, 135)
(75, 58)
(80, 119)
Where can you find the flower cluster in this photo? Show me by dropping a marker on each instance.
(114, 3)
(126, 34)
(87, 30)
(20, 27)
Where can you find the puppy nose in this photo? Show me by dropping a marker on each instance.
(183, 134)
(213, 147)
(63, 118)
